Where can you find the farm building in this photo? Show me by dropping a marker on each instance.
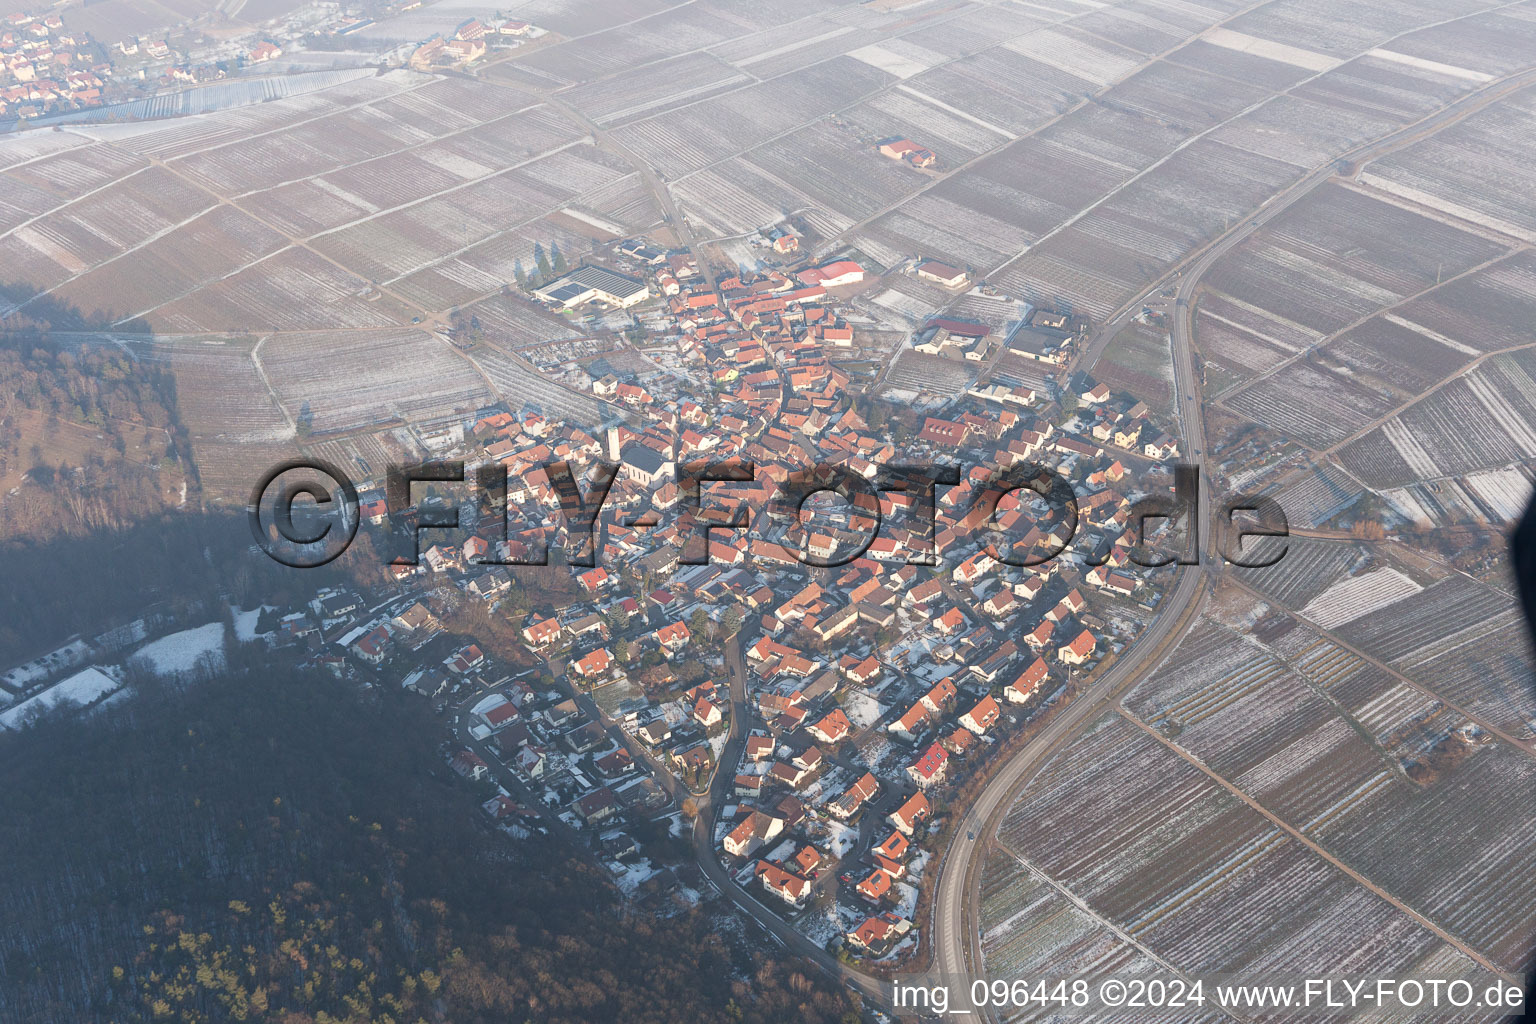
(942, 273)
(587, 284)
(911, 152)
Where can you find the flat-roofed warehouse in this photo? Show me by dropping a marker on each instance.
(588, 283)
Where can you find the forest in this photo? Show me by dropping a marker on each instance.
(269, 845)
(89, 436)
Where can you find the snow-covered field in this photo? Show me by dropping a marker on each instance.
(184, 651)
(84, 687)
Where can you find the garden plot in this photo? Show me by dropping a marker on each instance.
(1318, 496)
(662, 85)
(512, 322)
(346, 381)
(837, 170)
(1478, 169)
(893, 112)
(207, 247)
(1482, 420)
(1480, 47)
(737, 197)
(491, 265)
(1486, 311)
(1310, 404)
(1139, 361)
(1308, 568)
(1399, 353)
(1307, 133)
(1031, 929)
(294, 290)
(95, 228)
(522, 387)
(1207, 883)
(1340, 255)
(1190, 99)
(76, 171)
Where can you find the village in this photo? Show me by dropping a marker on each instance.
(810, 692)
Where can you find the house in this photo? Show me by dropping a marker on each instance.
(593, 665)
(792, 889)
(982, 717)
(707, 713)
(264, 51)
(759, 748)
(941, 273)
(875, 886)
(541, 633)
(1028, 684)
(928, 770)
(654, 734)
(878, 935)
(832, 728)
(598, 805)
(832, 275)
(672, 638)
(857, 795)
(908, 151)
(911, 814)
(1079, 650)
(748, 785)
(752, 832)
(374, 647)
(616, 763)
(501, 716)
(469, 764)
(807, 861)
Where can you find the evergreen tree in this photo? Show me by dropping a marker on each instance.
(520, 274)
(541, 260)
(557, 258)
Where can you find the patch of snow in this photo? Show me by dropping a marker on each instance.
(184, 651)
(84, 687)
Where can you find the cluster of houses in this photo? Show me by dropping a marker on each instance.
(44, 66)
(873, 681)
(469, 42)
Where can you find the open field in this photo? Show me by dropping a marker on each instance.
(345, 380)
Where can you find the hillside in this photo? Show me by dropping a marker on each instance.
(280, 848)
